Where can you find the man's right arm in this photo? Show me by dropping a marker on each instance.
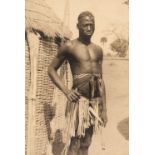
(72, 95)
(54, 66)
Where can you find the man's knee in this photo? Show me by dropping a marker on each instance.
(86, 141)
(75, 144)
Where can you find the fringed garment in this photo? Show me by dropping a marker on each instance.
(86, 112)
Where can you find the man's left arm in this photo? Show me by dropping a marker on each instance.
(104, 106)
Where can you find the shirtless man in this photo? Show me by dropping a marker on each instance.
(85, 59)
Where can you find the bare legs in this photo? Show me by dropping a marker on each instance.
(80, 146)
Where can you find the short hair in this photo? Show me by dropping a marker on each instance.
(85, 13)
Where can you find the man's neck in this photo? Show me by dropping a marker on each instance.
(85, 40)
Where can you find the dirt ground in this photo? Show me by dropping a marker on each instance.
(115, 135)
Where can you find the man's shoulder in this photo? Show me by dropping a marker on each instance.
(66, 47)
(74, 42)
(97, 47)
(70, 44)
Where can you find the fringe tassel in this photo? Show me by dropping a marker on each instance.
(83, 116)
(71, 124)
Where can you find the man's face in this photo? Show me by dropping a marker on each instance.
(86, 26)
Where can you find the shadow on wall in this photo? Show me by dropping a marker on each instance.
(57, 144)
(49, 113)
(123, 128)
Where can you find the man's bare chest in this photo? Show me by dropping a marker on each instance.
(84, 53)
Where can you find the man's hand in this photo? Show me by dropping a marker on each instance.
(104, 117)
(73, 96)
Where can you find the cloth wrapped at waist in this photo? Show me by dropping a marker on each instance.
(88, 85)
(86, 112)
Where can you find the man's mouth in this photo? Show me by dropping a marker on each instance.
(89, 32)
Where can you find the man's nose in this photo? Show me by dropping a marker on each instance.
(89, 28)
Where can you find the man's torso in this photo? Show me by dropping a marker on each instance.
(84, 59)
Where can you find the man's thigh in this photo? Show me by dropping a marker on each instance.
(83, 142)
(87, 139)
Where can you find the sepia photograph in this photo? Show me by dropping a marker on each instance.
(76, 77)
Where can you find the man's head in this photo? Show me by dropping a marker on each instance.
(86, 24)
